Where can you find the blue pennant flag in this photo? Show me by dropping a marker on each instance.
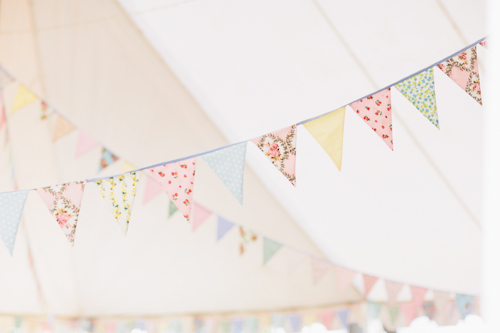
(11, 209)
(344, 316)
(223, 226)
(229, 165)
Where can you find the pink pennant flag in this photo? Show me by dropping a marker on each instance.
(410, 311)
(375, 110)
(344, 278)
(152, 190)
(393, 289)
(294, 260)
(177, 180)
(369, 281)
(319, 269)
(200, 215)
(85, 144)
(326, 318)
(280, 148)
(64, 201)
(418, 295)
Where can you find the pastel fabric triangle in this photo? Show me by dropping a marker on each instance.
(410, 311)
(200, 215)
(326, 318)
(319, 269)
(177, 180)
(152, 190)
(229, 165)
(84, 144)
(375, 110)
(418, 294)
(373, 310)
(120, 192)
(294, 260)
(343, 316)
(393, 289)
(107, 158)
(11, 209)
(295, 322)
(429, 309)
(270, 249)
(61, 128)
(63, 202)
(128, 167)
(223, 226)
(329, 132)
(369, 281)
(280, 148)
(344, 278)
(172, 209)
(393, 313)
(465, 304)
(419, 90)
(23, 97)
(463, 69)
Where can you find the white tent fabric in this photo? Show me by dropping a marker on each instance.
(200, 74)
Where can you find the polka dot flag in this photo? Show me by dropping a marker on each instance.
(229, 165)
(11, 209)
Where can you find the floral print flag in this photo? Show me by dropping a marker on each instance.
(375, 110)
(463, 69)
(177, 180)
(64, 201)
(107, 158)
(120, 191)
(420, 91)
(280, 149)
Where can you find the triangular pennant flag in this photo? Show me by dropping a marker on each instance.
(463, 69)
(61, 128)
(64, 201)
(200, 215)
(229, 165)
(177, 180)
(484, 43)
(107, 158)
(443, 308)
(410, 311)
(11, 209)
(24, 96)
(280, 149)
(270, 249)
(373, 310)
(295, 258)
(368, 282)
(326, 318)
(152, 190)
(344, 318)
(464, 304)
(344, 278)
(127, 167)
(319, 269)
(393, 289)
(420, 91)
(376, 111)
(329, 132)
(429, 309)
(5, 79)
(418, 294)
(120, 191)
(84, 144)
(393, 313)
(172, 208)
(223, 226)
(295, 322)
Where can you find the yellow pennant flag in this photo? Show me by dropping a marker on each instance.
(128, 167)
(61, 128)
(329, 132)
(23, 97)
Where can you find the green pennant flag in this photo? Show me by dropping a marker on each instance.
(393, 313)
(171, 208)
(373, 310)
(270, 249)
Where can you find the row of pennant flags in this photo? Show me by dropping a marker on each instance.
(176, 178)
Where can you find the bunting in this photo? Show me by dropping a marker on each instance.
(107, 158)
(61, 128)
(369, 281)
(375, 110)
(63, 202)
(465, 304)
(280, 148)
(484, 43)
(373, 310)
(84, 144)
(127, 167)
(393, 289)
(319, 269)
(419, 90)
(177, 180)
(223, 226)
(246, 237)
(200, 215)
(343, 316)
(229, 165)
(120, 192)
(326, 318)
(463, 70)
(11, 210)
(295, 322)
(418, 294)
(329, 132)
(393, 313)
(24, 96)
(344, 278)
(152, 190)
(271, 247)
(410, 311)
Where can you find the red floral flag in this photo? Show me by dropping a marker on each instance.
(376, 111)
(280, 148)
(177, 180)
